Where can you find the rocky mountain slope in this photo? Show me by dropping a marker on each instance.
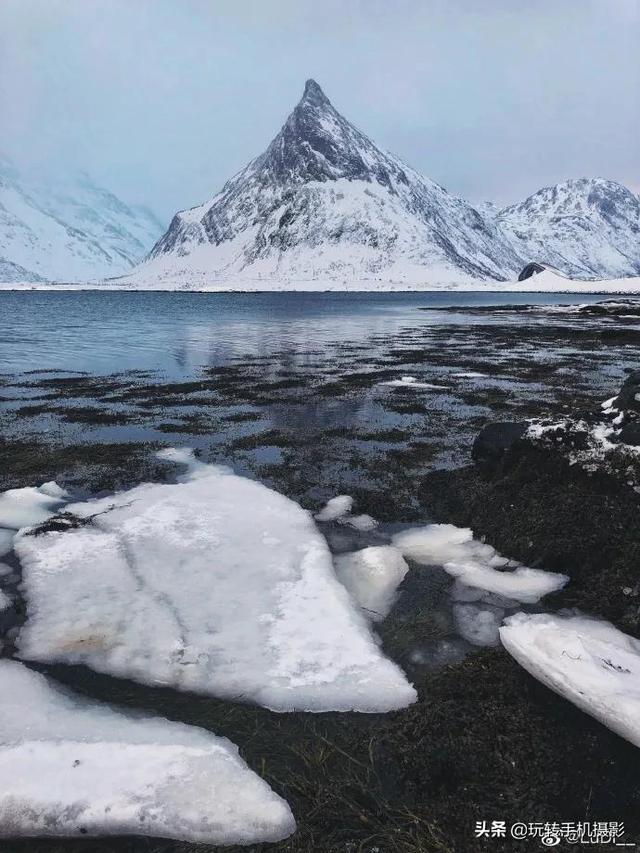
(586, 228)
(72, 230)
(324, 202)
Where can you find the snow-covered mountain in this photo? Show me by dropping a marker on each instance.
(70, 230)
(488, 209)
(587, 228)
(322, 206)
(324, 203)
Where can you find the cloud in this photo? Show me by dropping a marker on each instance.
(163, 101)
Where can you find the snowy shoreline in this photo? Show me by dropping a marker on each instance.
(583, 287)
(545, 282)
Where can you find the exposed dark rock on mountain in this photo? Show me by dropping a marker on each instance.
(531, 270)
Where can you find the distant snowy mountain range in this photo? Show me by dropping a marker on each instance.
(70, 230)
(322, 204)
(587, 228)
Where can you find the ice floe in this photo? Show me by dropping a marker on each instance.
(478, 624)
(363, 523)
(335, 508)
(372, 576)
(521, 584)
(587, 661)
(214, 584)
(436, 653)
(69, 766)
(412, 382)
(475, 563)
(461, 592)
(29, 506)
(5, 601)
(339, 509)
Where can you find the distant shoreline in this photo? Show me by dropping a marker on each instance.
(582, 287)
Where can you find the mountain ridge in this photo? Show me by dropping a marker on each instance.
(68, 229)
(587, 227)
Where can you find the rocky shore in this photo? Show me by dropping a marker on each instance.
(553, 485)
(562, 495)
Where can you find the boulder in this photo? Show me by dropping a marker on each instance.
(496, 438)
(630, 434)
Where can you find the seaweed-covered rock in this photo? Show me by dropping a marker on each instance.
(628, 400)
(564, 497)
(544, 511)
(494, 439)
(488, 740)
(630, 434)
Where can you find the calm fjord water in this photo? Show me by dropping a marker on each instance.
(176, 333)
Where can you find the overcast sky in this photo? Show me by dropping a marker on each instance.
(163, 100)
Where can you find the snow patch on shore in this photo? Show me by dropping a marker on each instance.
(434, 280)
(594, 444)
(412, 382)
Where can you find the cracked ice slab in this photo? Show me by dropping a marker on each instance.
(215, 584)
(589, 662)
(71, 766)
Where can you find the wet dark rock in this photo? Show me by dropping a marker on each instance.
(556, 503)
(612, 308)
(630, 434)
(623, 336)
(629, 397)
(496, 438)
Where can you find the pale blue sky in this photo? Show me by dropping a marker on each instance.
(163, 100)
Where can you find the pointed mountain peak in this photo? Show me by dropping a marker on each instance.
(316, 143)
(313, 94)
